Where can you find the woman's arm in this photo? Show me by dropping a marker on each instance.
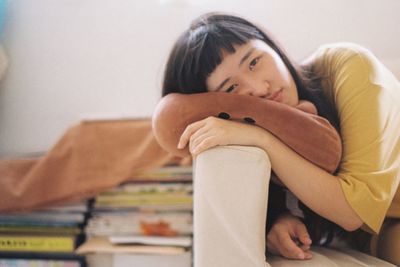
(315, 187)
(310, 135)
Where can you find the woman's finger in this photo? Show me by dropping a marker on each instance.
(187, 133)
(304, 247)
(289, 248)
(307, 255)
(301, 233)
(206, 143)
(198, 136)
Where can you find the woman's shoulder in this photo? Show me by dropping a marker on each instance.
(347, 69)
(331, 57)
(349, 64)
(342, 49)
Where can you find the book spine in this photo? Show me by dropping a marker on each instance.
(37, 243)
(38, 263)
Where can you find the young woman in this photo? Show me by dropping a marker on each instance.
(348, 86)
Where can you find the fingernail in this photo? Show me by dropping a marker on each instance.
(301, 256)
(179, 146)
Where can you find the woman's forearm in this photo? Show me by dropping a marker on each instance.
(315, 187)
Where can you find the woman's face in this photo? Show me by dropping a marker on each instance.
(254, 69)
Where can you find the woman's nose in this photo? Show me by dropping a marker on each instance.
(258, 89)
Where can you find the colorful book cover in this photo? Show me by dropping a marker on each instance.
(140, 223)
(36, 259)
(39, 229)
(146, 188)
(42, 216)
(169, 173)
(37, 243)
(38, 263)
(144, 200)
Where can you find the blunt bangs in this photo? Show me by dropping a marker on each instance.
(206, 45)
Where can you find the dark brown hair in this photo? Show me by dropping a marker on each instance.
(198, 51)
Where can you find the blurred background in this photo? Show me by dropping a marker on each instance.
(76, 59)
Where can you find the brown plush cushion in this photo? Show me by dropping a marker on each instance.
(311, 136)
(89, 158)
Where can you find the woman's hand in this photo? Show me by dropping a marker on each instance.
(212, 131)
(289, 238)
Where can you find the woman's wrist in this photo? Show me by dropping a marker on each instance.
(264, 139)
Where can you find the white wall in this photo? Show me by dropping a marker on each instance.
(74, 58)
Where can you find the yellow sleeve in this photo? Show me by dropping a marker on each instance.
(367, 98)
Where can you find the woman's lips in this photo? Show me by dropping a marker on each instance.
(277, 96)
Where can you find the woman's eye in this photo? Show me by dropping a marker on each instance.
(231, 88)
(253, 63)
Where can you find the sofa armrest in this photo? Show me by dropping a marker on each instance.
(230, 203)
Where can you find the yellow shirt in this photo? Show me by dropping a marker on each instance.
(366, 96)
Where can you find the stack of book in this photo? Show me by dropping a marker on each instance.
(146, 222)
(47, 237)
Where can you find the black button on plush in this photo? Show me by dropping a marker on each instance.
(249, 120)
(224, 115)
